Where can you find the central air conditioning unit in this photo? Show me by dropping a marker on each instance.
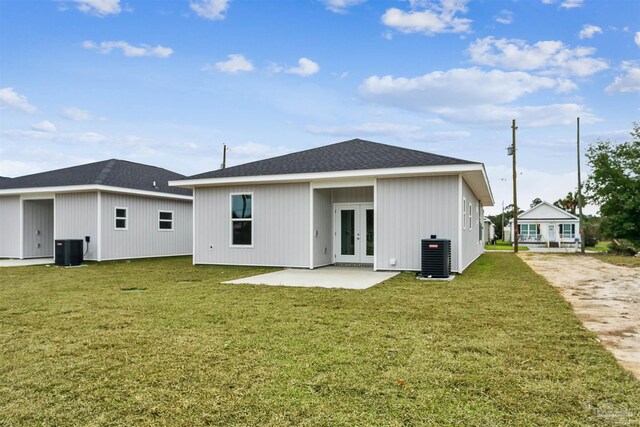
(68, 252)
(436, 258)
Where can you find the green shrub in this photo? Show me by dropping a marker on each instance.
(622, 247)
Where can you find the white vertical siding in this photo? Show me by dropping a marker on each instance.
(281, 228)
(472, 246)
(142, 237)
(322, 227)
(411, 209)
(37, 228)
(76, 217)
(10, 227)
(353, 195)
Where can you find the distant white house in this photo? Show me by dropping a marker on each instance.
(548, 225)
(489, 231)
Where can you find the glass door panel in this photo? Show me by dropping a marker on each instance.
(347, 232)
(369, 232)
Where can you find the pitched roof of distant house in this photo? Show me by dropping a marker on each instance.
(355, 154)
(112, 173)
(556, 213)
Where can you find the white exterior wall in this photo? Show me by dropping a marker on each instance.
(10, 227)
(322, 227)
(76, 216)
(472, 246)
(37, 228)
(411, 209)
(142, 238)
(281, 226)
(352, 195)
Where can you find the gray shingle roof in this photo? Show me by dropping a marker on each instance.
(355, 154)
(114, 172)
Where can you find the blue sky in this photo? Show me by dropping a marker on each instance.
(168, 82)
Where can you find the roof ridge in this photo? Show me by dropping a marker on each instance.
(104, 173)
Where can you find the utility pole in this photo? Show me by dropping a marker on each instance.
(581, 222)
(224, 156)
(512, 152)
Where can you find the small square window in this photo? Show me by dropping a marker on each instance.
(120, 218)
(165, 220)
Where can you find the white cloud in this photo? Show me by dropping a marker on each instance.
(552, 57)
(128, 49)
(570, 4)
(588, 31)
(9, 98)
(341, 6)
(429, 17)
(210, 9)
(236, 63)
(305, 68)
(66, 137)
(637, 38)
(527, 116)
(99, 7)
(504, 17)
(547, 1)
(456, 87)
(76, 114)
(44, 126)
(628, 82)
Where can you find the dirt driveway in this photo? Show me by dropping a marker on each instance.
(605, 297)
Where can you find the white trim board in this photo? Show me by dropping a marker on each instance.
(338, 176)
(87, 188)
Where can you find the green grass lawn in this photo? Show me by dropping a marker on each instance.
(623, 260)
(504, 246)
(599, 247)
(496, 346)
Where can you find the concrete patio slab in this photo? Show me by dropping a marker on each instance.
(325, 277)
(25, 262)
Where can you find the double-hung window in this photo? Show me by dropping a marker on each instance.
(528, 229)
(242, 219)
(165, 220)
(567, 231)
(464, 213)
(120, 218)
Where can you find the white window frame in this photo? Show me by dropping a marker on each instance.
(232, 219)
(165, 220)
(470, 215)
(568, 235)
(529, 227)
(464, 213)
(116, 218)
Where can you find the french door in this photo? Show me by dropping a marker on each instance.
(353, 232)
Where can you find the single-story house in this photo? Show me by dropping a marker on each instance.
(547, 225)
(489, 231)
(353, 202)
(120, 209)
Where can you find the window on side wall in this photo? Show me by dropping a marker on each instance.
(165, 220)
(464, 213)
(121, 218)
(470, 215)
(242, 219)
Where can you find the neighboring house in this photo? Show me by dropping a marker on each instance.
(548, 225)
(126, 209)
(354, 202)
(489, 231)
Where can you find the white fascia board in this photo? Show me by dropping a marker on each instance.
(336, 175)
(343, 183)
(92, 187)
